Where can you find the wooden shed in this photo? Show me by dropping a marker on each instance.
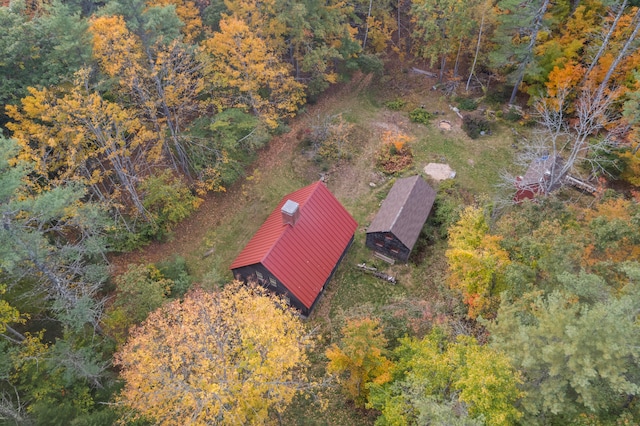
(298, 248)
(397, 226)
(544, 175)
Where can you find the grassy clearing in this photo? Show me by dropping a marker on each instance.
(421, 287)
(258, 196)
(211, 238)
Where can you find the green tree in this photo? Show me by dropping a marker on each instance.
(519, 24)
(576, 358)
(320, 38)
(139, 291)
(631, 155)
(36, 243)
(168, 200)
(431, 375)
(442, 27)
(375, 23)
(52, 261)
(39, 51)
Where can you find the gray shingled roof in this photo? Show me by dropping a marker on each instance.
(405, 210)
(540, 168)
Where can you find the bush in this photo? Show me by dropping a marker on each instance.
(466, 104)
(395, 105)
(370, 64)
(447, 207)
(330, 137)
(121, 240)
(226, 144)
(475, 126)
(176, 270)
(168, 200)
(512, 115)
(498, 96)
(394, 155)
(139, 291)
(420, 115)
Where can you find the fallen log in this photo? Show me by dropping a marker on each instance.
(374, 271)
(423, 72)
(456, 110)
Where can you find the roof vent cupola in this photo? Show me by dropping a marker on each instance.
(290, 213)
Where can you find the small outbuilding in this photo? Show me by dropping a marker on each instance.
(299, 247)
(397, 226)
(544, 175)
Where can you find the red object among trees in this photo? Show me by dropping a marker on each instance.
(544, 175)
(298, 248)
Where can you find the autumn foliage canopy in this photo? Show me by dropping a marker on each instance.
(224, 358)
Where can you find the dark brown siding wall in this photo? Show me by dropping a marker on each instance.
(344, 253)
(249, 273)
(387, 244)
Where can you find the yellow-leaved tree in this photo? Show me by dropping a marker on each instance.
(434, 377)
(228, 358)
(248, 70)
(164, 81)
(476, 263)
(360, 359)
(73, 134)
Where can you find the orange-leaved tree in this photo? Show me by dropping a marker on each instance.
(227, 358)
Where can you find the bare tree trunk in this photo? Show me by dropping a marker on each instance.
(14, 411)
(455, 66)
(443, 64)
(366, 27)
(534, 35)
(621, 55)
(605, 42)
(399, 26)
(17, 335)
(475, 57)
(121, 163)
(573, 145)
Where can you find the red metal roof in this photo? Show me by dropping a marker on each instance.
(302, 256)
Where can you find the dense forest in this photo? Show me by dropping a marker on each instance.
(119, 117)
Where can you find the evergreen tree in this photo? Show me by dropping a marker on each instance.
(519, 24)
(40, 50)
(577, 359)
(51, 259)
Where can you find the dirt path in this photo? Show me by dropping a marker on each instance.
(216, 207)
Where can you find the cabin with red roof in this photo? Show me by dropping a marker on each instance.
(299, 247)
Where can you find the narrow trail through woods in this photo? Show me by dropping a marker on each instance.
(188, 235)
